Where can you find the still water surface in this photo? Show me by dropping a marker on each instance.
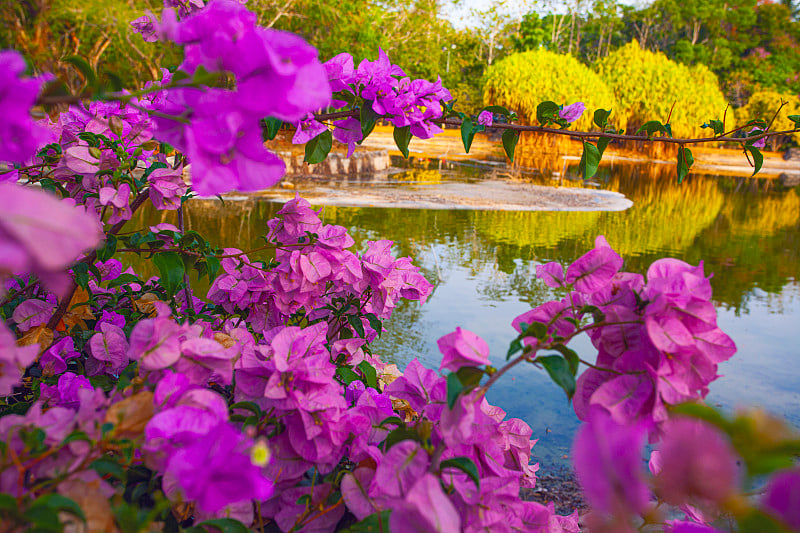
(483, 263)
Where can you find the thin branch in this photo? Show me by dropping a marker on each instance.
(588, 134)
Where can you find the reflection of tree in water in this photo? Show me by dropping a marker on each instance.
(747, 231)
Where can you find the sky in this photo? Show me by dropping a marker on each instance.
(459, 12)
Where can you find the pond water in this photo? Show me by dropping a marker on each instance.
(483, 264)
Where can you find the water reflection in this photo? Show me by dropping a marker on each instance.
(747, 232)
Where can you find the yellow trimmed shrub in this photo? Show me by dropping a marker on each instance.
(521, 81)
(646, 85)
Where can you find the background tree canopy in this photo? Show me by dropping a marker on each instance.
(746, 47)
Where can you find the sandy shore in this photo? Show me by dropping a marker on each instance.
(489, 194)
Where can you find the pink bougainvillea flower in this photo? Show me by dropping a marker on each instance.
(216, 470)
(155, 342)
(682, 526)
(485, 118)
(462, 348)
(762, 142)
(109, 347)
(608, 462)
(53, 360)
(572, 112)
(32, 313)
(348, 131)
(42, 234)
(551, 273)
(21, 136)
(167, 187)
(697, 463)
(425, 509)
(307, 129)
(340, 72)
(595, 269)
(13, 360)
(782, 498)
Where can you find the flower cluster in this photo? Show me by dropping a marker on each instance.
(386, 90)
(133, 401)
(658, 342)
(316, 269)
(219, 128)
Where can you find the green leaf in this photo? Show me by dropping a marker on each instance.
(514, 348)
(249, 406)
(795, 119)
(374, 523)
(212, 267)
(602, 144)
(84, 68)
(756, 521)
(202, 76)
(108, 250)
(701, 411)
(123, 279)
(270, 127)
(81, 272)
(467, 133)
(547, 112)
(469, 376)
(402, 136)
(559, 371)
(106, 466)
(53, 503)
(8, 503)
(758, 159)
(685, 162)
(535, 329)
(347, 374)
(114, 82)
(171, 269)
(368, 118)
(344, 96)
(716, 125)
(317, 149)
(570, 356)
(370, 374)
(454, 388)
(652, 127)
(396, 420)
(223, 525)
(466, 465)
(399, 435)
(497, 109)
(356, 324)
(590, 160)
(76, 435)
(510, 139)
(375, 323)
(601, 118)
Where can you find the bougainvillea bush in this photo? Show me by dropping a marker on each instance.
(133, 404)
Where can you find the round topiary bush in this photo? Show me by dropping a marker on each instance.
(521, 81)
(647, 84)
